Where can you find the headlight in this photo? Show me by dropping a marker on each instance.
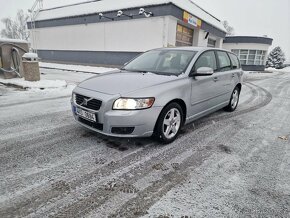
(133, 104)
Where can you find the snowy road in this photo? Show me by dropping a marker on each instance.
(226, 165)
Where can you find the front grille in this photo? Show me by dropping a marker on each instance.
(97, 126)
(93, 104)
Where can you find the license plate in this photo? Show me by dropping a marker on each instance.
(87, 115)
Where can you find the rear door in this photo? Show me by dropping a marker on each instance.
(225, 75)
(237, 71)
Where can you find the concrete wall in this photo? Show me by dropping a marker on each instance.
(170, 31)
(200, 40)
(128, 35)
(111, 43)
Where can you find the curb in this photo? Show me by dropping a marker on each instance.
(77, 71)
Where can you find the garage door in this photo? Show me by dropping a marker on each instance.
(184, 36)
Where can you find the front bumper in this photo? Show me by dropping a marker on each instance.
(141, 121)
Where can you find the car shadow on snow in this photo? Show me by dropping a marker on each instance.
(124, 144)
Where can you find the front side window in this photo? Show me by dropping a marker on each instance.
(207, 59)
(171, 62)
(224, 61)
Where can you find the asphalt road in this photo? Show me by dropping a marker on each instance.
(225, 165)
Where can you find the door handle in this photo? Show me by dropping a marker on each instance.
(233, 75)
(215, 79)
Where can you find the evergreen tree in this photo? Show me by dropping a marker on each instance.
(276, 58)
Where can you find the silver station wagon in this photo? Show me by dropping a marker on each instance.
(158, 92)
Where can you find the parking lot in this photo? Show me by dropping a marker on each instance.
(225, 165)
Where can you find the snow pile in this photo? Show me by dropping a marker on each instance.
(12, 40)
(284, 70)
(76, 68)
(113, 5)
(42, 84)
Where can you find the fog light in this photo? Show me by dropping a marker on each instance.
(123, 130)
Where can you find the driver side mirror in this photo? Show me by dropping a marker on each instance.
(203, 71)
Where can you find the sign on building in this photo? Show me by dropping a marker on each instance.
(190, 19)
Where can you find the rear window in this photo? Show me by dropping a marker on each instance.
(235, 61)
(224, 61)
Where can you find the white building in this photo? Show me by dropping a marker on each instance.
(79, 33)
(251, 50)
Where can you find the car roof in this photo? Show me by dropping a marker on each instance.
(191, 48)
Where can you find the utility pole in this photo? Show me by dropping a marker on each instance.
(34, 11)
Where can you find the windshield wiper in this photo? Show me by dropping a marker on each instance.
(137, 71)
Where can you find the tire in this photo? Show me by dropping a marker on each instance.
(169, 123)
(234, 101)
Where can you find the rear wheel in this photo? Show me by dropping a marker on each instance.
(169, 123)
(234, 101)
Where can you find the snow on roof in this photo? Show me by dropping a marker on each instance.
(12, 40)
(113, 5)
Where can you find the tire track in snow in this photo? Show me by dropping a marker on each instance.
(146, 168)
(199, 126)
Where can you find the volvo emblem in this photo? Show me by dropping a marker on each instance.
(85, 102)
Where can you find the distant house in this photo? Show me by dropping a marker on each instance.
(91, 32)
(286, 64)
(252, 50)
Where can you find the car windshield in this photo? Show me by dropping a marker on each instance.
(171, 62)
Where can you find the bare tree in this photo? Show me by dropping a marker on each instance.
(230, 30)
(16, 29)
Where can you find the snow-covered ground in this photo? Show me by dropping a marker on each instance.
(268, 73)
(42, 84)
(57, 80)
(225, 165)
(284, 70)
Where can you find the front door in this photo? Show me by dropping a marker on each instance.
(204, 88)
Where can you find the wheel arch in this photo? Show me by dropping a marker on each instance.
(239, 85)
(182, 105)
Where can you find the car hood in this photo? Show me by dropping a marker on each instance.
(121, 82)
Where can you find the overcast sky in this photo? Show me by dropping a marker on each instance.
(248, 17)
(255, 18)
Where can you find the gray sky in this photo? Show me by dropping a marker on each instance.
(248, 17)
(255, 18)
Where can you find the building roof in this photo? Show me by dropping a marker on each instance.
(248, 39)
(93, 7)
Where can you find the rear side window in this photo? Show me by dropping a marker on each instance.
(235, 61)
(207, 59)
(224, 61)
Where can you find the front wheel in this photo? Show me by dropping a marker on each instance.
(169, 123)
(234, 101)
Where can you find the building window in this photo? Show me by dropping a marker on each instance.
(251, 57)
(184, 36)
(211, 43)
